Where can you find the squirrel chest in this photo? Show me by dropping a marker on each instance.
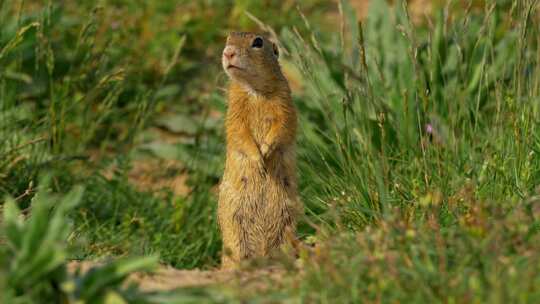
(259, 117)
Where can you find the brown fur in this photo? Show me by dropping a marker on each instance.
(258, 204)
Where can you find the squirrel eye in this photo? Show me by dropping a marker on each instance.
(257, 43)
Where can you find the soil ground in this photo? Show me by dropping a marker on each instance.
(167, 278)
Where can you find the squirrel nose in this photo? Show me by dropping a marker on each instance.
(229, 52)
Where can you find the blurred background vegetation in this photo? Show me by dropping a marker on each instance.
(419, 147)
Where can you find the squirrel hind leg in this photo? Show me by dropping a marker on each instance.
(227, 261)
(237, 247)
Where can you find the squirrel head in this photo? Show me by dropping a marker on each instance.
(252, 60)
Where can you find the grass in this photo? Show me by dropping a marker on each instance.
(419, 145)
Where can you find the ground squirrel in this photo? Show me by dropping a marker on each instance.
(258, 204)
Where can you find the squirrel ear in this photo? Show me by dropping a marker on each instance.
(276, 50)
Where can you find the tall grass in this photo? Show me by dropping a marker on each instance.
(424, 140)
(393, 112)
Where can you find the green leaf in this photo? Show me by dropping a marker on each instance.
(36, 227)
(13, 223)
(113, 297)
(47, 259)
(58, 228)
(163, 150)
(99, 279)
(178, 123)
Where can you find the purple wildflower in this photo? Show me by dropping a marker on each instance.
(429, 129)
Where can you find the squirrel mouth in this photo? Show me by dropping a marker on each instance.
(230, 66)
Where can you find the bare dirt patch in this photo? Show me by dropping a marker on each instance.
(155, 174)
(167, 278)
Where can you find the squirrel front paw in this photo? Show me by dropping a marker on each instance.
(265, 148)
